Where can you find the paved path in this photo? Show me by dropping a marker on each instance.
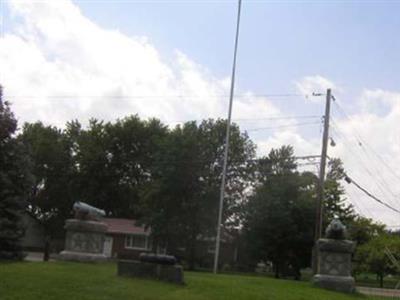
(379, 292)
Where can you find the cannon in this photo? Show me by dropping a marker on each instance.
(84, 211)
(336, 230)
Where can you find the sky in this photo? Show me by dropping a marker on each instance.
(63, 60)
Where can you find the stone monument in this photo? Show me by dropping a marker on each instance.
(85, 235)
(155, 266)
(333, 260)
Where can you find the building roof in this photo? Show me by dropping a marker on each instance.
(124, 226)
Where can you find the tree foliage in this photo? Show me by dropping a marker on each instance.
(362, 230)
(180, 203)
(51, 195)
(281, 213)
(169, 179)
(14, 184)
(335, 204)
(372, 256)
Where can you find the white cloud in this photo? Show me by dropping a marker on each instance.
(57, 65)
(369, 144)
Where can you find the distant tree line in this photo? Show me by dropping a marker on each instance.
(168, 179)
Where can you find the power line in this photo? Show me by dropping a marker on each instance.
(280, 118)
(335, 130)
(361, 142)
(350, 180)
(266, 118)
(157, 96)
(309, 158)
(377, 180)
(283, 126)
(360, 205)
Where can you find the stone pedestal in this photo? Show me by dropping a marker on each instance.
(132, 268)
(84, 241)
(333, 265)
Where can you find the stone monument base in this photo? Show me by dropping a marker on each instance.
(345, 284)
(333, 265)
(82, 257)
(84, 241)
(132, 268)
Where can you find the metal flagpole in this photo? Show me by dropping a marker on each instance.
(228, 127)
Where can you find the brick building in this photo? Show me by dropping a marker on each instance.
(125, 238)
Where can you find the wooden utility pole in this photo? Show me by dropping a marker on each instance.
(228, 127)
(320, 188)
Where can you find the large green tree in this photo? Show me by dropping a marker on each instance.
(279, 224)
(14, 184)
(51, 195)
(181, 202)
(113, 161)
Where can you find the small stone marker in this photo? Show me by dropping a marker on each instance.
(333, 265)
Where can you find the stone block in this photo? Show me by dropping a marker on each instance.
(82, 257)
(84, 241)
(333, 265)
(345, 284)
(132, 268)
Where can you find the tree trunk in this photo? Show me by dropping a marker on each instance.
(381, 280)
(192, 254)
(46, 253)
(296, 270)
(277, 269)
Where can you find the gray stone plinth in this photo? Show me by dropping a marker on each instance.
(82, 257)
(84, 241)
(131, 268)
(344, 284)
(333, 265)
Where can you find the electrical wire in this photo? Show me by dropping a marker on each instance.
(361, 142)
(266, 118)
(377, 180)
(350, 180)
(282, 126)
(159, 96)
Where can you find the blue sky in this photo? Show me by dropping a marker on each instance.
(355, 44)
(63, 60)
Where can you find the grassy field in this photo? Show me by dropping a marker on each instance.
(73, 281)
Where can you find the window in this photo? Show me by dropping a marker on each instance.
(136, 242)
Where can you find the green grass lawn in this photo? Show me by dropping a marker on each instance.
(73, 281)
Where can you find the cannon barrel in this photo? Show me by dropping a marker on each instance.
(82, 207)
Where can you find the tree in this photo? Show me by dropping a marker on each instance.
(51, 196)
(362, 230)
(372, 257)
(335, 204)
(281, 213)
(181, 202)
(14, 182)
(114, 161)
